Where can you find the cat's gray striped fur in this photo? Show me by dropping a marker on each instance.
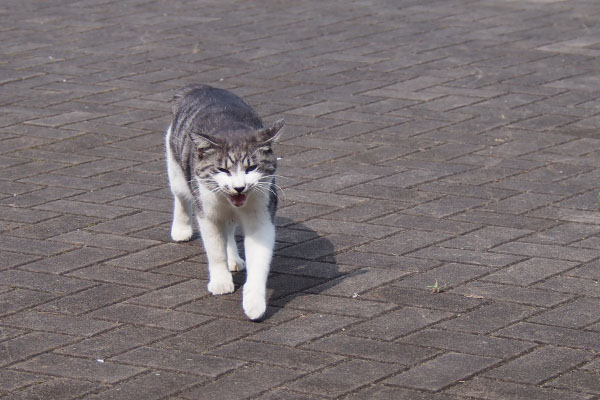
(222, 169)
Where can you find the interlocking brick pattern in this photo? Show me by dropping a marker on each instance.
(430, 141)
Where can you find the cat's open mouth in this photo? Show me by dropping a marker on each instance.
(238, 200)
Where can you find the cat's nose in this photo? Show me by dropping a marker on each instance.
(239, 189)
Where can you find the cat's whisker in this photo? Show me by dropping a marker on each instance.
(271, 182)
(261, 191)
(259, 187)
(277, 187)
(275, 176)
(279, 176)
(268, 188)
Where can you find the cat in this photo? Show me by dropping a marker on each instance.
(221, 167)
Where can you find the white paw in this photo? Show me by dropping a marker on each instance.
(222, 284)
(254, 306)
(236, 264)
(181, 232)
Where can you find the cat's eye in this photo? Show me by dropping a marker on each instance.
(224, 170)
(251, 168)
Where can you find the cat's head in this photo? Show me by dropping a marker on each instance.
(237, 164)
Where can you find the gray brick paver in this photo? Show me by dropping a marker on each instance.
(539, 365)
(279, 355)
(13, 380)
(178, 361)
(57, 388)
(490, 389)
(336, 380)
(442, 371)
(78, 368)
(425, 141)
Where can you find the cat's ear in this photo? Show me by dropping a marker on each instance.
(272, 133)
(203, 142)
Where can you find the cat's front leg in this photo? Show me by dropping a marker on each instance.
(234, 261)
(181, 228)
(259, 242)
(214, 238)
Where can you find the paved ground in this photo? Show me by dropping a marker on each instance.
(428, 141)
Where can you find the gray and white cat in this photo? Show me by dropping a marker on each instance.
(221, 168)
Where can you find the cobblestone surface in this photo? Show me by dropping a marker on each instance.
(428, 143)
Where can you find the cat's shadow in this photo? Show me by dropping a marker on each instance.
(304, 263)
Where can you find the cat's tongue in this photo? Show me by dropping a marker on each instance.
(238, 200)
